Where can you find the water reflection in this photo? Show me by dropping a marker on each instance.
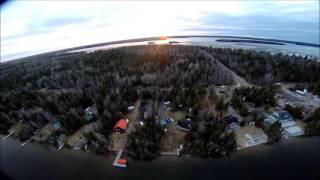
(228, 42)
(297, 158)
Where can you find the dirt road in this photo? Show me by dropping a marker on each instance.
(306, 100)
(119, 141)
(238, 80)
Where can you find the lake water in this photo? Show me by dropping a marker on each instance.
(296, 158)
(286, 47)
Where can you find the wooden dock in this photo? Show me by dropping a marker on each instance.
(7, 136)
(115, 162)
(26, 142)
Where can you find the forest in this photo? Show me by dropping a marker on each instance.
(264, 68)
(208, 138)
(257, 95)
(44, 88)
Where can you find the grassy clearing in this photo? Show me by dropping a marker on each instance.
(172, 139)
(177, 116)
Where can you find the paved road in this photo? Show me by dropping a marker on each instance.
(133, 117)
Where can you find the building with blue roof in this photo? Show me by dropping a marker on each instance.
(282, 116)
(89, 113)
(166, 122)
(55, 125)
(287, 123)
(184, 124)
(232, 123)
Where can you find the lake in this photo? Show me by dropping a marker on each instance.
(295, 158)
(269, 45)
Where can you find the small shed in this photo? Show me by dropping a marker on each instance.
(130, 108)
(167, 105)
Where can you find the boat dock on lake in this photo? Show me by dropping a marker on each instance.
(118, 162)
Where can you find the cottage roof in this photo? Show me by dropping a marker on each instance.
(282, 115)
(165, 122)
(270, 120)
(285, 124)
(231, 119)
(56, 124)
(122, 124)
(185, 124)
(294, 130)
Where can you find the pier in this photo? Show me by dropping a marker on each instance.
(116, 160)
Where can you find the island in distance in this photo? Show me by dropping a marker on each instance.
(150, 100)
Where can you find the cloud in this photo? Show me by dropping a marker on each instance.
(29, 27)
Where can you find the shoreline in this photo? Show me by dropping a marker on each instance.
(146, 39)
(163, 153)
(66, 164)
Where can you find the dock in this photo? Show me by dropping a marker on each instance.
(61, 146)
(26, 142)
(7, 136)
(115, 162)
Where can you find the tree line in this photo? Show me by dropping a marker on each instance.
(263, 68)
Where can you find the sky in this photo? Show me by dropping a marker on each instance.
(32, 27)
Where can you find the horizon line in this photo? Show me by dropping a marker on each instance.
(161, 38)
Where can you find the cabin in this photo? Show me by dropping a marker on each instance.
(268, 121)
(232, 123)
(289, 126)
(90, 112)
(121, 126)
(294, 131)
(282, 116)
(166, 122)
(184, 124)
(55, 125)
(89, 116)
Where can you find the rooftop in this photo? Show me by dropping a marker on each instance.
(122, 124)
(231, 119)
(282, 115)
(184, 124)
(294, 131)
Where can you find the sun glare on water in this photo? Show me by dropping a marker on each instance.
(163, 37)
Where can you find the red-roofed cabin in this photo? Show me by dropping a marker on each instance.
(121, 126)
